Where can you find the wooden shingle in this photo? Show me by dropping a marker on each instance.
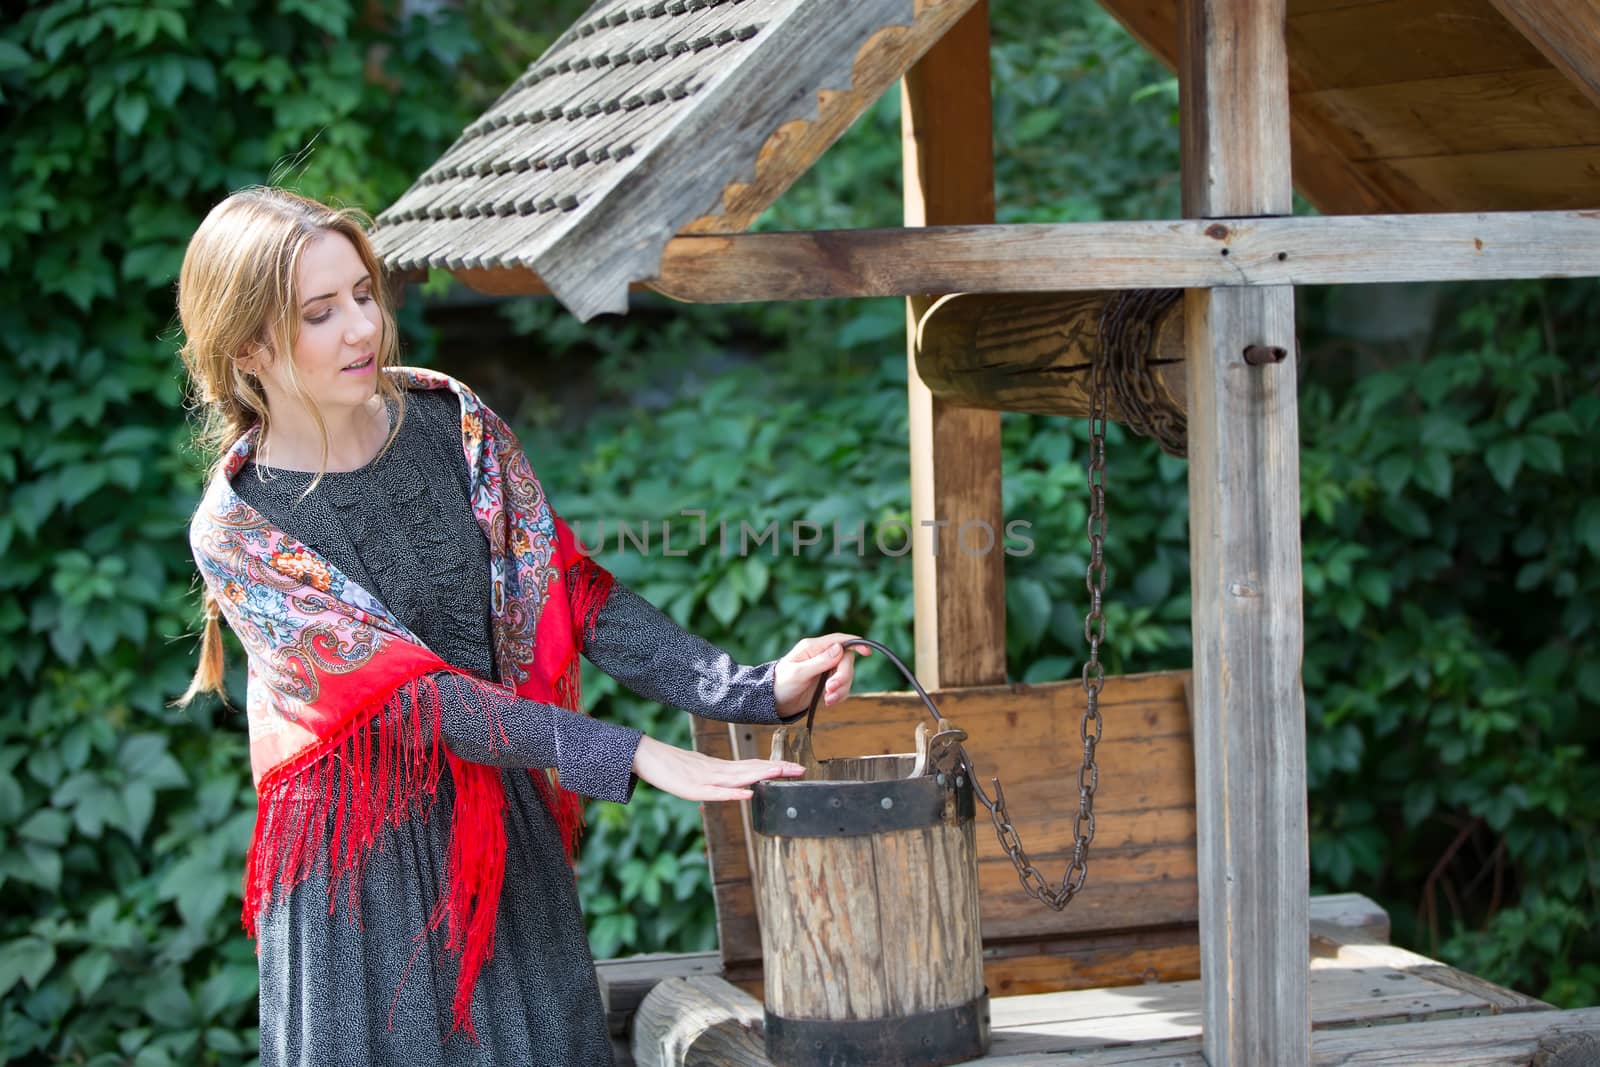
(633, 126)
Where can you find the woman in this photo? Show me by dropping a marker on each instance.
(413, 612)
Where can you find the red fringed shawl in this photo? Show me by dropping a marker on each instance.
(344, 722)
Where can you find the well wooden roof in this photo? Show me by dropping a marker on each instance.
(645, 120)
(650, 119)
(1432, 105)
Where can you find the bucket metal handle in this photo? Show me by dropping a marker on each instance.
(822, 681)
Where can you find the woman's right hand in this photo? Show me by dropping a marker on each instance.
(697, 776)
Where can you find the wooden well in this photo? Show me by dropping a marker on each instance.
(867, 882)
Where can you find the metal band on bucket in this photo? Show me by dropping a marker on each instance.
(848, 809)
(928, 1039)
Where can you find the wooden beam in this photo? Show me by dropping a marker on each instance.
(1244, 538)
(1188, 254)
(959, 597)
(1089, 256)
(1033, 352)
(1567, 32)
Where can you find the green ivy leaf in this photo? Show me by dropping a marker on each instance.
(1504, 460)
(12, 57)
(46, 826)
(27, 960)
(131, 113)
(724, 601)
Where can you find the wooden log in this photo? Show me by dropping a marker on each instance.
(700, 1020)
(958, 598)
(1033, 353)
(1096, 256)
(1244, 508)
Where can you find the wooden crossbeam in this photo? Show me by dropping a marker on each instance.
(1079, 256)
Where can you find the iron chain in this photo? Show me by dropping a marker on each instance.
(1091, 726)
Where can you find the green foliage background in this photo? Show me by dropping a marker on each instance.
(1451, 523)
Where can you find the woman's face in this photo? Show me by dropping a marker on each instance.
(336, 350)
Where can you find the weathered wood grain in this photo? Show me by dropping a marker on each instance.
(700, 1020)
(1244, 552)
(1248, 703)
(795, 146)
(1034, 352)
(1233, 120)
(1567, 32)
(958, 598)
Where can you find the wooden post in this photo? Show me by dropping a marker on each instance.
(1244, 536)
(959, 592)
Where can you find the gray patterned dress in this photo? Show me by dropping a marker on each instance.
(335, 991)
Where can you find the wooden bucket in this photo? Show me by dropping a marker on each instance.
(867, 885)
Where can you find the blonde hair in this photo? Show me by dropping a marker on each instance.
(236, 291)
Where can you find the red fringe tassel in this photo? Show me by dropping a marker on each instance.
(337, 779)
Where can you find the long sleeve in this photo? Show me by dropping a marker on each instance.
(640, 647)
(595, 757)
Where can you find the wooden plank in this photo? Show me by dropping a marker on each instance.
(1141, 870)
(1531, 180)
(1402, 41)
(1467, 114)
(1507, 1041)
(1362, 1016)
(1094, 1018)
(1080, 256)
(1350, 949)
(1244, 521)
(1567, 32)
(795, 146)
(959, 599)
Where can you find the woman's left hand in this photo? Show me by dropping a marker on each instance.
(797, 671)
